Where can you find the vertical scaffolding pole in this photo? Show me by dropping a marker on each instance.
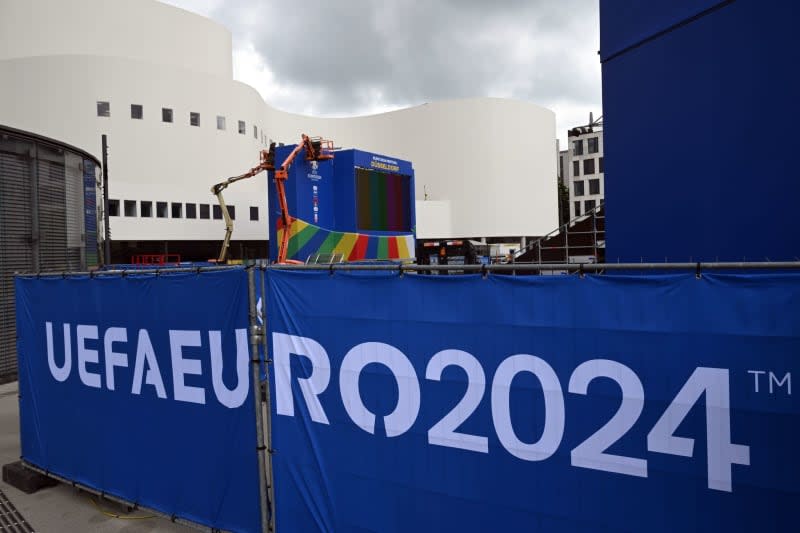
(267, 403)
(255, 340)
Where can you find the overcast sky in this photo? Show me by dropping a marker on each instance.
(354, 57)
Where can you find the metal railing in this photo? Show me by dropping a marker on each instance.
(579, 268)
(539, 245)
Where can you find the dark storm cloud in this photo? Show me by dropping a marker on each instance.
(351, 56)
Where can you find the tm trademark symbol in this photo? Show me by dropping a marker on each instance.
(775, 384)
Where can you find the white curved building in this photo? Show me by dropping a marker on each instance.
(174, 117)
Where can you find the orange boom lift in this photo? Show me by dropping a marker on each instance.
(317, 149)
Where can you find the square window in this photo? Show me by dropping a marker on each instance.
(177, 210)
(577, 209)
(593, 145)
(161, 209)
(217, 212)
(600, 165)
(253, 213)
(255, 132)
(204, 211)
(103, 109)
(588, 166)
(113, 208)
(194, 119)
(220, 122)
(232, 212)
(578, 185)
(588, 205)
(594, 186)
(576, 168)
(137, 111)
(166, 114)
(191, 210)
(577, 147)
(146, 209)
(130, 208)
(242, 127)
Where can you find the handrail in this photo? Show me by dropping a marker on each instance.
(566, 225)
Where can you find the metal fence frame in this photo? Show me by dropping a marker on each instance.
(257, 289)
(257, 340)
(579, 268)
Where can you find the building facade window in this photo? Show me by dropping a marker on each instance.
(577, 209)
(253, 213)
(113, 208)
(220, 122)
(588, 166)
(204, 211)
(103, 109)
(194, 119)
(166, 114)
(130, 208)
(137, 111)
(161, 209)
(576, 168)
(232, 212)
(217, 212)
(242, 127)
(593, 145)
(146, 209)
(177, 210)
(255, 132)
(579, 191)
(588, 205)
(600, 165)
(191, 210)
(594, 186)
(577, 147)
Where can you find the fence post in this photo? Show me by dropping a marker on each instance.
(255, 340)
(268, 403)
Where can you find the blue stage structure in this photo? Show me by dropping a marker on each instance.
(357, 206)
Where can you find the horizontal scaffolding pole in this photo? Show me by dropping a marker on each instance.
(388, 267)
(128, 272)
(572, 267)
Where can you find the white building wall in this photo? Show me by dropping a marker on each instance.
(434, 220)
(490, 158)
(148, 159)
(134, 29)
(488, 162)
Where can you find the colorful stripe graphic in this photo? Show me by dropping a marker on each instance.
(307, 239)
(382, 201)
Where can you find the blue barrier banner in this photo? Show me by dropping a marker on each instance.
(553, 403)
(140, 386)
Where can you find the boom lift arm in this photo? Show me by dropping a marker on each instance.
(267, 162)
(316, 149)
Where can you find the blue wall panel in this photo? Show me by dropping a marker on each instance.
(699, 135)
(627, 22)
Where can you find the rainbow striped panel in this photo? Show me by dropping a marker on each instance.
(307, 239)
